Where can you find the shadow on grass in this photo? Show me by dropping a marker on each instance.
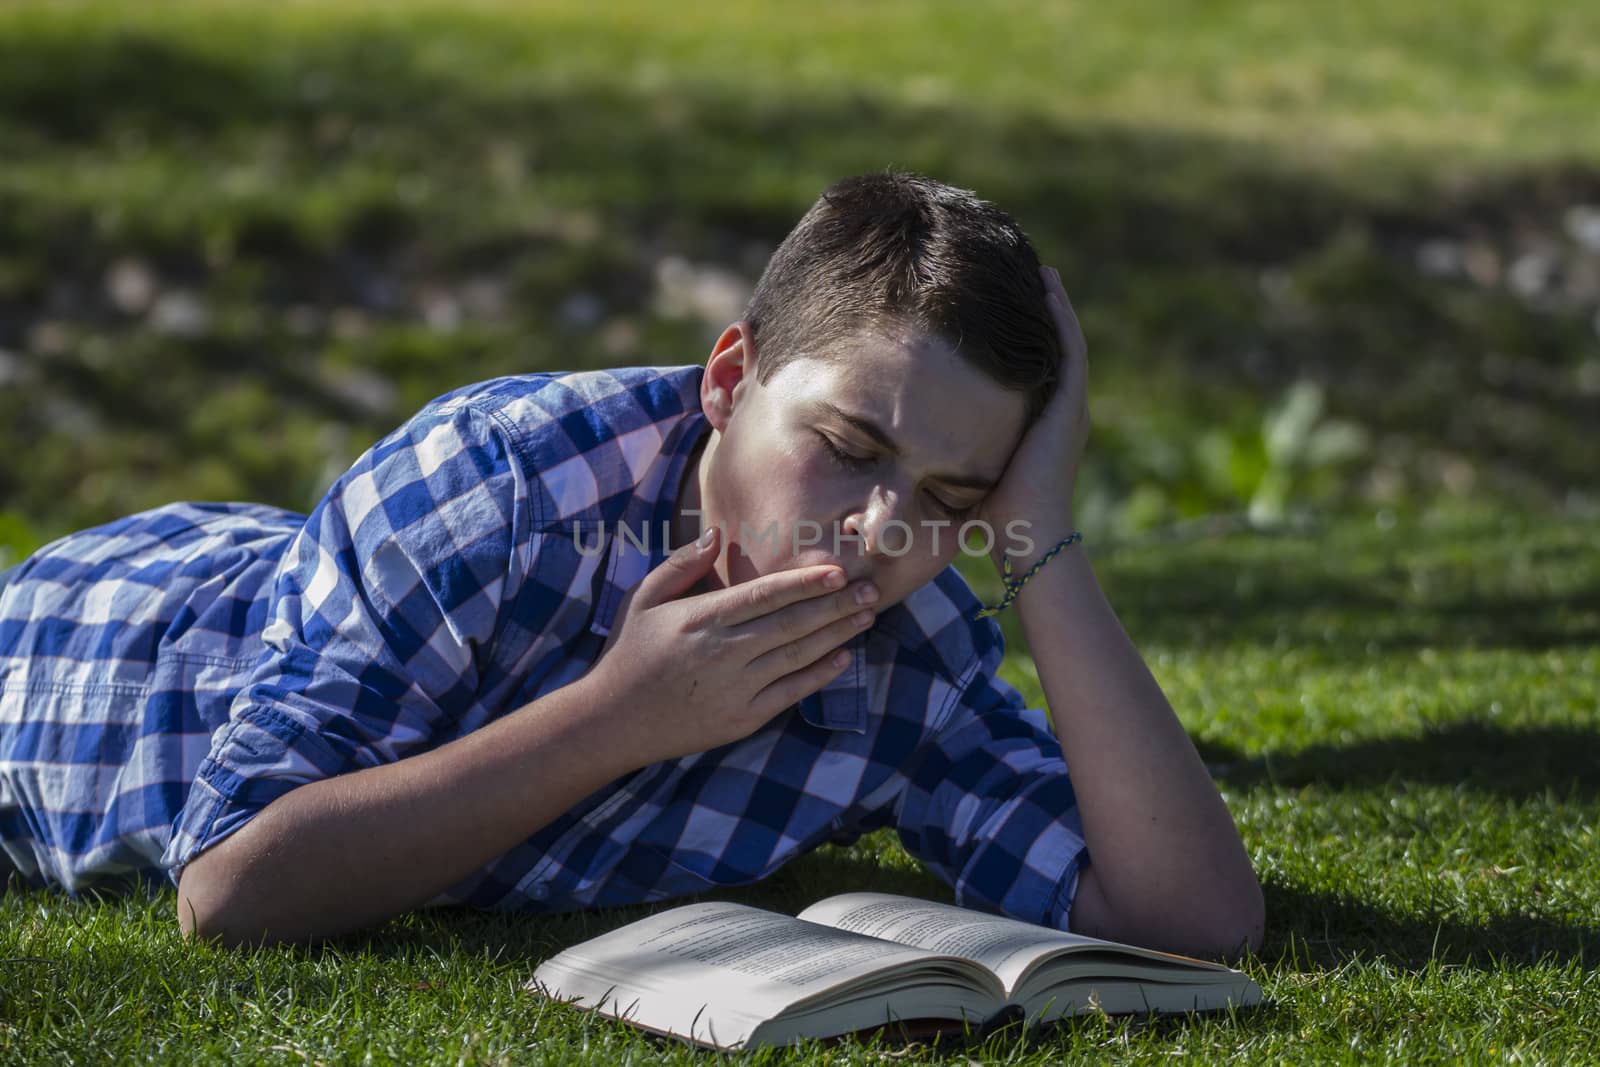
(1166, 239)
(1349, 594)
(1305, 928)
(790, 889)
(1521, 763)
(1308, 929)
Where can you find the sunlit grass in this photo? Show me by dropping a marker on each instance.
(1400, 712)
(1402, 720)
(1480, 78)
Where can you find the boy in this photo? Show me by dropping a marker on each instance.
(574, 640)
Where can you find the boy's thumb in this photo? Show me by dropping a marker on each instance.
(681, 570)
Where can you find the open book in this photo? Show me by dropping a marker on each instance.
(731, 976)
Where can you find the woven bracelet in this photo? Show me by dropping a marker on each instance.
(1014, 585)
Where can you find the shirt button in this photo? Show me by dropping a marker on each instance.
(539, 890)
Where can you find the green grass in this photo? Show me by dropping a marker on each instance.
(1365, 73)
(1402, 720)
(372, 203)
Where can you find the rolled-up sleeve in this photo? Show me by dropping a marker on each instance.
(383, 620)
(990, 808)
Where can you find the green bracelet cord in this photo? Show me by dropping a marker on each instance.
(1014, 585)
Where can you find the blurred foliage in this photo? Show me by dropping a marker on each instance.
(1296, 454)
(238, 244)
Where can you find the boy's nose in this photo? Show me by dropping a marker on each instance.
(880, 525)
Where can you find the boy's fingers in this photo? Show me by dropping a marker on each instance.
(1067, 325)
(796, 621)
(794, 654)
(799, 684)
(678, 573)
(764, 595)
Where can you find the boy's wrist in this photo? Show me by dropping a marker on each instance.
(589, 706)
(1015, 576)
(1028, 543)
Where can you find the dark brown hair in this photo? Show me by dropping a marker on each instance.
(881, 251)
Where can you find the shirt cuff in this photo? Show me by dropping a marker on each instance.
(256, 759)
(1060, 907)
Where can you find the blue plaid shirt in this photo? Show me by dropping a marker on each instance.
(165, 677)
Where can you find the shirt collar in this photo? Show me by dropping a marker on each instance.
(648, 519)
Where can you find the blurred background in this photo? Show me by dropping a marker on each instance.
(1330, 259)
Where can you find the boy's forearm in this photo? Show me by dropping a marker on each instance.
(1167, 867)
(346, 852)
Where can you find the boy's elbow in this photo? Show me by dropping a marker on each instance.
(210, 907)
(197, 921)
(1231, 928)
(204, 914)
(1251, 929)
(1239, 929)
(1222, 921)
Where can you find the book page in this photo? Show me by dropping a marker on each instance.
(1005, 946)
(767, 946)
(714, 971)
(717, 971)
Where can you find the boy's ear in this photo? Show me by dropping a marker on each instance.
(729, 370)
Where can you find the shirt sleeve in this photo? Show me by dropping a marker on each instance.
(990, 807)
(383, 620)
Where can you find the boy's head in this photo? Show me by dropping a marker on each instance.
(895, 350)
(881, 252)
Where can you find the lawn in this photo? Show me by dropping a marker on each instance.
(239, 242)
(1402, 720)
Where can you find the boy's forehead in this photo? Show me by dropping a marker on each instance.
(912, 386)
(872, 366)
(871, 363)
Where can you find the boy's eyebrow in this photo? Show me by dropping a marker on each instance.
(885, 442)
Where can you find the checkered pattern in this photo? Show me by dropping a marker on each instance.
(165, 677)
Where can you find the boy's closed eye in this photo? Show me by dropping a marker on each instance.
(853, 462)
